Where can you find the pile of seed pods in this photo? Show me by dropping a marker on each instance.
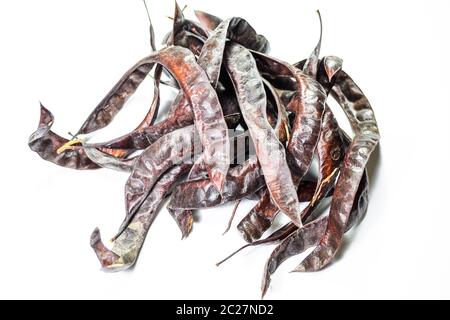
(230, 93)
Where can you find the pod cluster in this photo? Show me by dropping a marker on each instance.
(244, 124)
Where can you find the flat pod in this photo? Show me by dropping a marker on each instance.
(210, 60)
(296, 241)
(307, 104)
(330, 148)
(260, 217)
(252, 100)
(46, 143)
(113, 102)
(102, 115)
(127, 245)
(332, 144)
(172, 149)
(360, 114)
(206, 107)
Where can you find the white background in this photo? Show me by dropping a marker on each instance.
(68, 54)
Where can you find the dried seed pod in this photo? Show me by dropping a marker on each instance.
(296, 243)
(297, 240)
(311, 64)
(103, 115)
(360, 114)
(113, 102)
(181, 116)
(252, 100)
(127, 245)
(46, 143)
(330, 149)
(259, 219)
(307, 104)
(205, 105)
(151, 115)
(172, 149)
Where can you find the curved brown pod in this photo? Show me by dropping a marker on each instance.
(205, 105)
(210, 60)
(104, 113)
(46, 143)
(113, 102)
(140, 139)
(173, 148)
(127, 245)
(260, 217)
(296, 241)
(252, 100)
(361, 116)
(332, 144)
(308, 105)
(330, 147)
(330, 151)
(208, 20)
